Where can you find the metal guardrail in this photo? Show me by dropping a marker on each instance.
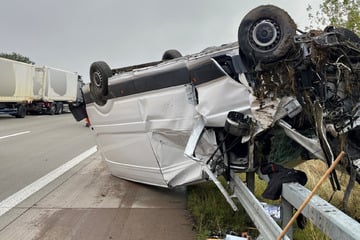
(266, 225)
(330, 220)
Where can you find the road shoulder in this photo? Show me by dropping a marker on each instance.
(92, 204)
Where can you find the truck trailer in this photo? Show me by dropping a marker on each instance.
(17, 87)
(26, 88)
(57, 88)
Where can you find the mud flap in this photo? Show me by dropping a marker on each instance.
(78, 111)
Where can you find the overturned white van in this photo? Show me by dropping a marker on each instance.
(189, 118)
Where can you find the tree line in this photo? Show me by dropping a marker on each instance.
(337, 13)
(16, 57)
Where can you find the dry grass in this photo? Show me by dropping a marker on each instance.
(314, 170)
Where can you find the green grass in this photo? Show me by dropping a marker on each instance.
(212, 214)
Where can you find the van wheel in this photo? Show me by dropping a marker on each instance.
(266, 34)
(99, 75)
(347, 35)
(171, 54)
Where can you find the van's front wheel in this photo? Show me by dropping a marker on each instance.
(266, 34)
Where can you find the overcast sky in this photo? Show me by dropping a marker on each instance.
(71, 34)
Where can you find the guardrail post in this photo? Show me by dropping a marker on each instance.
(286, 214)
(266, 225)
(250, 181)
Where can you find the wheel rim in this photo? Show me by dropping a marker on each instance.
(265, 35)
(97, 79)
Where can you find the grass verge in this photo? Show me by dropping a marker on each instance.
(211, 213)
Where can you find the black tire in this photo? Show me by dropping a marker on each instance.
(348, 35)
(171, 54)
(100, 72)
(266, 34)
(59, 108)
(21, 111)
(52, 109)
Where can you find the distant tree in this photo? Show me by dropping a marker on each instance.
(16, 57)
(338, 13)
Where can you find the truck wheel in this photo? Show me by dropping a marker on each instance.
(21, 111)
(59, 108)
(52, 109)
(99, 75)
(171, 54)
(266, 34)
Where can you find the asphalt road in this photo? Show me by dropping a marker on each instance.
(35, 145)
(85, 202)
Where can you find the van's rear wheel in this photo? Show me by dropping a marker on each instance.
(99, 75)
(171, 54)
(266, 34)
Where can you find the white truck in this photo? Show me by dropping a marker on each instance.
(28, 88)
(17, 84)
(56, 87)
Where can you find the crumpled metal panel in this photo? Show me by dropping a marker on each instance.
(219, 97)
(142, 137)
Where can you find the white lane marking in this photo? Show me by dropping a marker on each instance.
(15, 134)
(27, 191)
